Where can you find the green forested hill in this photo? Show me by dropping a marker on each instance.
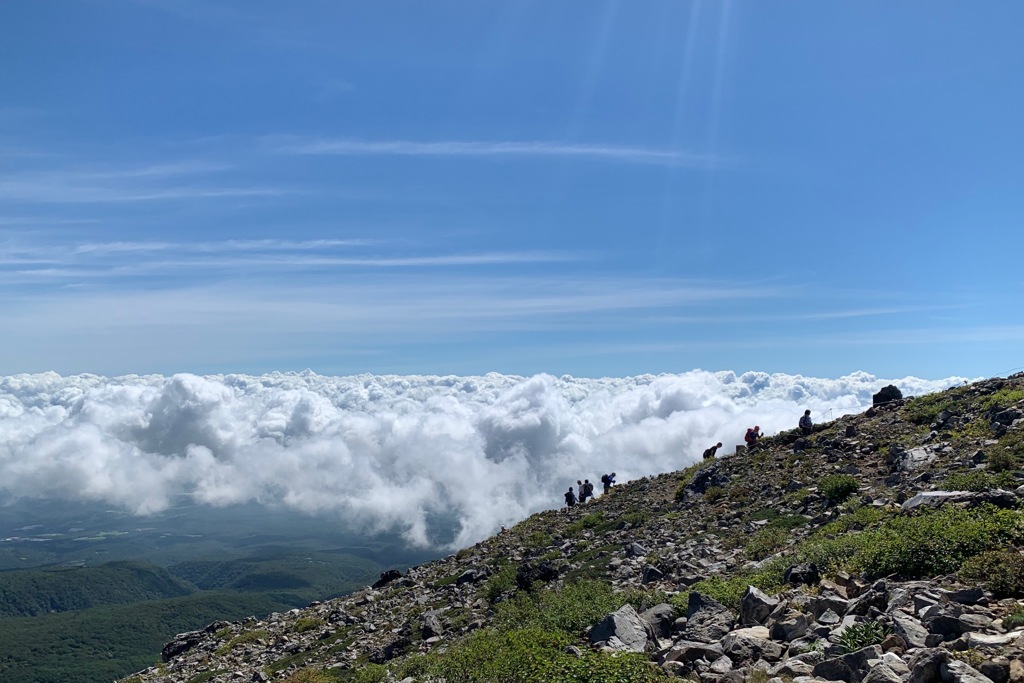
(98, 635)
(311, 576)
(103, 643)
(33, 592)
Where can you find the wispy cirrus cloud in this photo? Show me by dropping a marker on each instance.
(159, 182)
(257, 257)
(493, 149)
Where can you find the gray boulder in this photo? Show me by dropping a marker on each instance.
(790, 626)
(755, 606)
(882, 674)
(926, 664)
(623, 629)
(955, 671)
(659, 618)
(852, 667)
(707, 620)
(751, 644)
(690, 651)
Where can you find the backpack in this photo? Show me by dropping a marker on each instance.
(605, 479)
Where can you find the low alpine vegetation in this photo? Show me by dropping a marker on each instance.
(838, 487)
(863, 635)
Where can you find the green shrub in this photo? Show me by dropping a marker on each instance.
(591, 521)
(526, 655)
(572, 609)
(1014, 619)
(1003, 398)
(978, 480)
(729, 590)
(499, 582)
(922, 410)
(304, 624)
(537, 539)
(937, 542)
(242, 639)
(1002, 462)
(1001, 571)
(833, 554)
(857, 518)
(838, 487)
(765, 542)
(309, 676)
(864, 634)
(714, 493)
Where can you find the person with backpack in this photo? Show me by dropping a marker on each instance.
(806, 424)
(709, 454)
(587, 492)
(608, 480)
(752, 435)
(570, 498)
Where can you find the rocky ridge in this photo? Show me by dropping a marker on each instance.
(751, 567)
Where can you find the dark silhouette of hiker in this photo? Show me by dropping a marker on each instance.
(608, 480)
(570, 498)
(710, 453)
(587, 491)
(806, 424)
(752, 435)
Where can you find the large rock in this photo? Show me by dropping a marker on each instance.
(386, 578)
(755, 606)
(395, 648)
(751, 644)
(806, 574)
(707, 620)
(527, 575)
(961, 672)
(623, 630)
(431, 625)
(934, 499)
(852, 667)
(789, 626)
(882, 674)
(704, 478)
(659, 618)
(691, 651)
(910, 629)
(887, 394)
(183, 642)
(926, 664)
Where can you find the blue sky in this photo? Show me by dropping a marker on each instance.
(588, 188)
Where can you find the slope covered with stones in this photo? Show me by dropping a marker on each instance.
(883, 547)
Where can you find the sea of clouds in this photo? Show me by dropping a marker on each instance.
(386, 452)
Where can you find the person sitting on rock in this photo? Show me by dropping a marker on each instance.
(709, 454)
(806, 424)
(752, 435)
(570, 498)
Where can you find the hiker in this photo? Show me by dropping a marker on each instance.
(608, 480)
(588, 490)
(709, 454)
(570, 498)
(752, 435)
(582, 489)
(806, 424)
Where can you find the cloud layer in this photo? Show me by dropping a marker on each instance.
(445, 460)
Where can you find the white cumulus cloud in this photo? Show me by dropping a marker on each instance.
(445, 460)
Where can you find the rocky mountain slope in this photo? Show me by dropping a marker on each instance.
(883, 547)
